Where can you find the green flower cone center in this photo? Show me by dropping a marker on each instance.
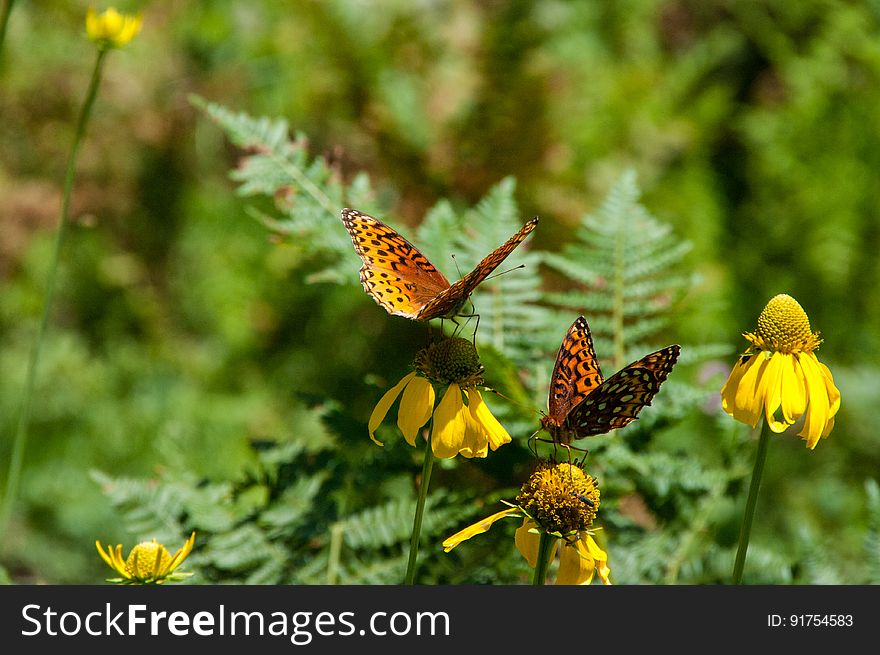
(453, 360)
(560, 498)
(784, 326)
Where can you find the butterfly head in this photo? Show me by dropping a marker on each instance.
(558, 433)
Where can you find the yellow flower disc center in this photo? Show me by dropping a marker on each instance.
(453, 360)
(141, 562)
(784, 327)
(560, 498)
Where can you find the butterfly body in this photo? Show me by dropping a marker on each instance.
(583, 404)
(403, 281)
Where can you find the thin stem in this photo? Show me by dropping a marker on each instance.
(752, 500)
(427, 465)
(4, 22)
(337, 532)
(545, 549)
(21, 434)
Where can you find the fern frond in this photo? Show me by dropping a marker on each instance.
(623, 263)
(307, 193)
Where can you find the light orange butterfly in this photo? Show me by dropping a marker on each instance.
(582, 404)
(402, 280)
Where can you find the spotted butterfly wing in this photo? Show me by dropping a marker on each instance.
(403, 281)
(582, 404)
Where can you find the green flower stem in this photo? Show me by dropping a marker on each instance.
(4, 21)
(752, 500)
(21, 434)
(337, 533)
(545, 549)
(427, 465)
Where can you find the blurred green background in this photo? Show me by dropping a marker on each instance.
(185, 334)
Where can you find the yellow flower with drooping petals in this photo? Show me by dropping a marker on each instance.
(148, 563)
(111, 29)
(780, 376)
(462, 422)
(562, 501)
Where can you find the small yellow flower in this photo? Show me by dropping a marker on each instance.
(110, 29)
(560, 500)
(462, 422)
(148, 563)
(780, 376)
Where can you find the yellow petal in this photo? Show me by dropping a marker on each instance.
(747, 404)
(384, 405)
(477, 528)
(527, 542)
(728, 391)
(770, 389)
(600, 557)
(112, 22)
(105, 556)
(495, 432)
(93, 24)
(794, 392)
(833, 392)
(576, 565)
(475, 442)
(181, 554)
(118, 561)
(450, 424)
(415, 409)
(818, 403)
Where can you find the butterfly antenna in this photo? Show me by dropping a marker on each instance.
(456, 265)
(500, 273)
(511, 400)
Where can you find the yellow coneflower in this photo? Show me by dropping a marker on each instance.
(780, 376)
(558, 504)
(148, 563)
(462, 422)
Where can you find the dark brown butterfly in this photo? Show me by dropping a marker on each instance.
(401, 279)
(582, 404)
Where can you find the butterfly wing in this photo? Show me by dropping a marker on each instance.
(449, 301)
(394, 273)
(619, 399)
(576, 372)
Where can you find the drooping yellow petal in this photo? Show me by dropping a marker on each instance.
(770, 389)
(600, 557)
(450, 424)
(415, 409)
(495, 432)
(728, 391)
(384, 405)
(794, 392)
(818, 404)
(475, 442)
(747, 404)
(477, 528)
(576, 565)
(833, 392)
(527, 542)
